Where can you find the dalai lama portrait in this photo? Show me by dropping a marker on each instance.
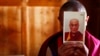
(74, 34)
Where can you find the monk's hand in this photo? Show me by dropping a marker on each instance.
(73, 49)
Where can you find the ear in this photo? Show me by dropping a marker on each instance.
(87, 18)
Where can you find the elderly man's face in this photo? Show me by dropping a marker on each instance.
(74, 25)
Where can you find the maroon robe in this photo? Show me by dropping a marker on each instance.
(56, 40)
(73, 36)
(91, 42)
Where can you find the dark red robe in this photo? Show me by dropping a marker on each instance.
(73, 36)
(56, 40)
(91, 42)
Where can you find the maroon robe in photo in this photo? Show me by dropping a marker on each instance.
(69, 36)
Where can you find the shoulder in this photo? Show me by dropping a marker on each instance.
(93, 44)
(56, 35)
(92, 38)
(50, 42)
(53, 38)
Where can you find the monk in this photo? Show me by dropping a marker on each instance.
(74, 34)
(91, 47)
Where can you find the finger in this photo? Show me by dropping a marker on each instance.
(65, 47)
(67, 52)
(74, 44)
(79, 52)
(71, 45)
(64, 50)
(82, 47)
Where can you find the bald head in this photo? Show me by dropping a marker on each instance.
(71, 5)
(76, 21)
(74, 25)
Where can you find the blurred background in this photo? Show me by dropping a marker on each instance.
(26, 24)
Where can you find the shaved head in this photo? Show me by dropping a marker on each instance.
(71, 5)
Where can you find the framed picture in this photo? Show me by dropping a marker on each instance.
(74, 26)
